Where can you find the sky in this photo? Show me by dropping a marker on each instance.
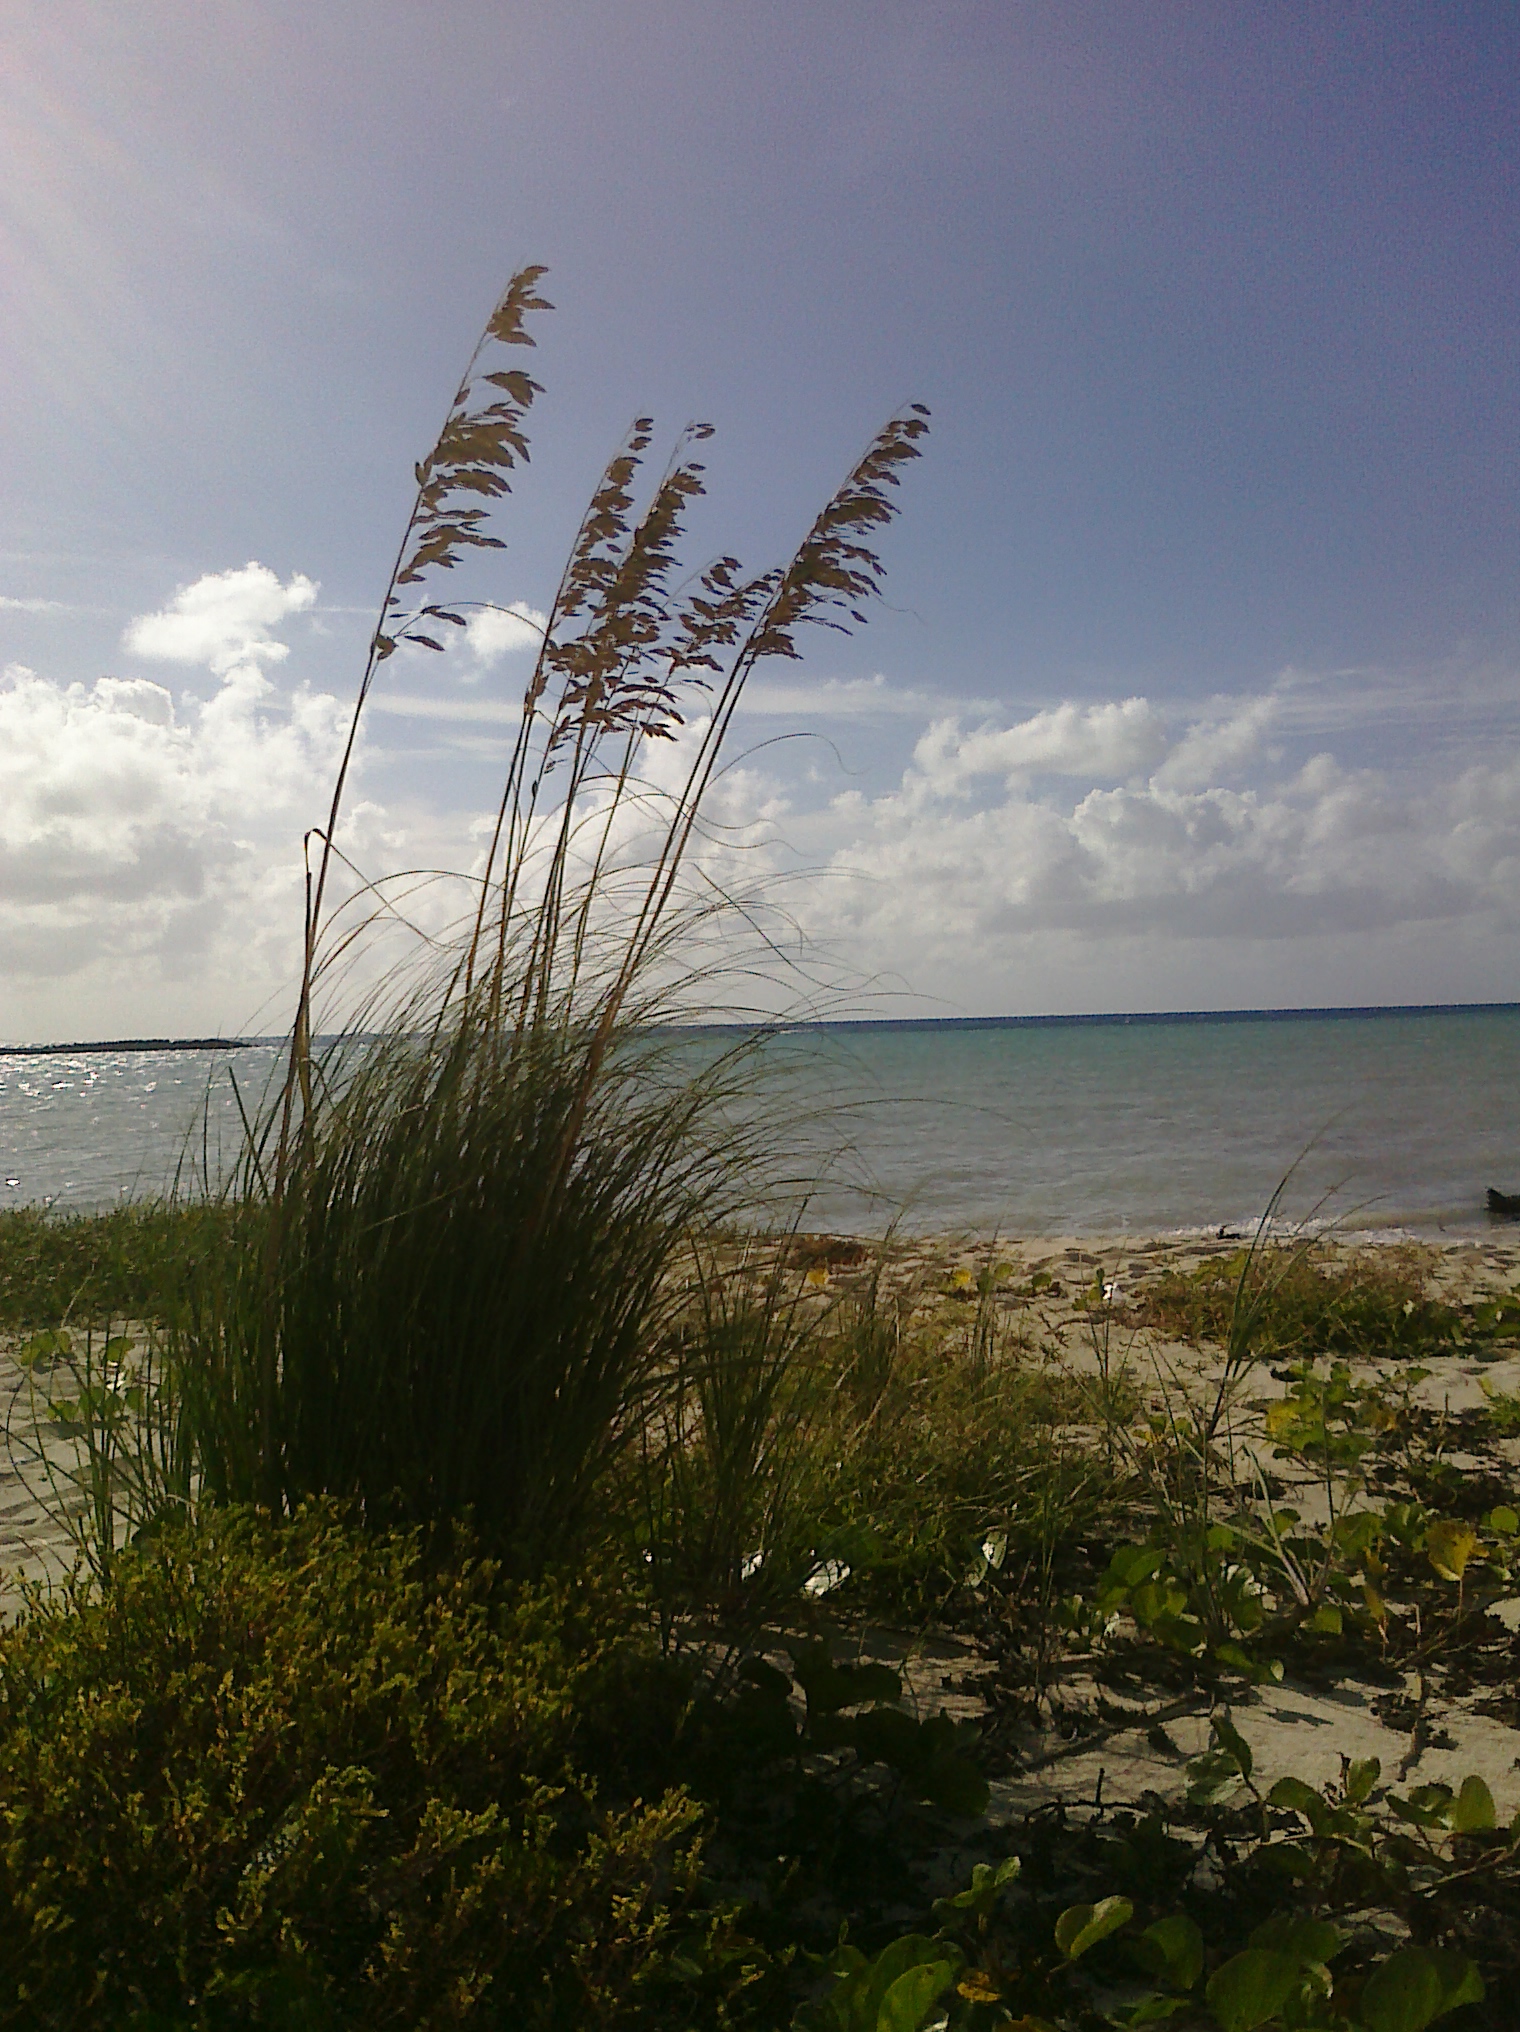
(1196, 682)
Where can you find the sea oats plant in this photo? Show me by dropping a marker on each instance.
(453, 1288)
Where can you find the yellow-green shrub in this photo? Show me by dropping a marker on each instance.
(295, 1775)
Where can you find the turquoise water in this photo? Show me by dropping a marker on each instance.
(1397, 1121)
(1393, 1121)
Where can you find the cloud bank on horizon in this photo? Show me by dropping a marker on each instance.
(1091, 854)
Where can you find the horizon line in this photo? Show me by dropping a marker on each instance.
(1331, 1012)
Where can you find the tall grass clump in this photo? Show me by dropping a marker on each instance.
(724, 1494)
(454, 1282)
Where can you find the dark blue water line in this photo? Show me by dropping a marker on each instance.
(1159, 1016)
(867, 1023)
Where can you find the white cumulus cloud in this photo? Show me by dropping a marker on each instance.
(161, 840)
(1091, 854)
(491, 633)
(954, 891)
(1103, 743)
(224, 619)
(150, 845)
(1220, 743)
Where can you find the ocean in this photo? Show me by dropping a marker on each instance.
(1389, 1121)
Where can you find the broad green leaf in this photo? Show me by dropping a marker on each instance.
(830, 1687)
(861, 1683)
(1354, 1535)
(986, 1886)
(1291, 1859)
(1252, 1987)
(885, 1735)
(1236, 1659)
(1181, 1948)
(1299, 1797)
(1178, 1632)
(1449, 1545)
(864, 1993)
(46, 1346)
(1230, 1738)
(932, 1757)
(1361, 1775)
(1416, 1986)
(769, 1678)
(1504, 1521)
(1311, 1942)
(976, 1892)
(1212, 1778)
(1246, 1608)
(1152, 2010)
(1132, 1564)
(1474, 1810)
(1426, 1806)
(911, 1998)
(762, 1717)
(1083, 1926)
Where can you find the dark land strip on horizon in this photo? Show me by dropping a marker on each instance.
(138, 1044)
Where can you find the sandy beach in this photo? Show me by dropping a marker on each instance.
(1070, 1307)
(1427, 1728)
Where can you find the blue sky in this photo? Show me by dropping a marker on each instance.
(1198, 682)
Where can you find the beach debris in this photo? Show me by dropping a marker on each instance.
(827, 1576)
(833, 1252)
(990, 1555)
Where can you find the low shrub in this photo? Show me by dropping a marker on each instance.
(1374, 1304)
(299, 1775)
(133, 1263)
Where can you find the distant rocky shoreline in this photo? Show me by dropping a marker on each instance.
(135, 1044)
